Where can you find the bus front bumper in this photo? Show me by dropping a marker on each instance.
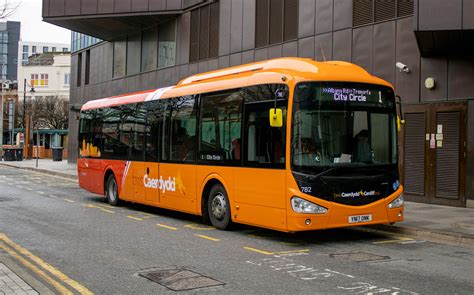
(340, 215)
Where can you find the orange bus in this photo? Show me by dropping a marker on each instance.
(287, 144)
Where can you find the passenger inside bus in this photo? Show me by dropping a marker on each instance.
(235, 153)
(184, 146)
(362, 150)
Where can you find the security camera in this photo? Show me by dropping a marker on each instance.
(402, 67)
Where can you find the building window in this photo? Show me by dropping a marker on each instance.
(120, 55)
(67, 79)
(79, 70)
(149, 49)
(45, 49)
(370, 11)
(65, 49)
(26, 48)
(53, 49)
(276, 21)
(80, 41)
(88, 66)
(44, 80)
(24, 58)
(5, 37)
(167, 45)
(133, 54)
(204, 41)
(4, 71)
(33, 49)
(34, 79)
(3, 48)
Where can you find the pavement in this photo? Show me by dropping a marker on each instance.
(47, 166)
(449, 225)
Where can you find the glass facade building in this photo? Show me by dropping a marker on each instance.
(80, 41)
(9, 37)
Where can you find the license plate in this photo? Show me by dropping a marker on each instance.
(360, 218)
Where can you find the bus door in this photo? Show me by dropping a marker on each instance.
(260, 184)
(138, 148)
(153, 131)
(82, 169)
(178, 169)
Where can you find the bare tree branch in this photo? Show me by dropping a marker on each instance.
(7, 9)
(50, 112)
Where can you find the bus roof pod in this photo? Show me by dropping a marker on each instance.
(302, 68)
(286, 63)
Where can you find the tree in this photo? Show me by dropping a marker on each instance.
(49, 112)
(8, 9)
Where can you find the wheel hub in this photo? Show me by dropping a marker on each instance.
(218, 206)
(112, 191)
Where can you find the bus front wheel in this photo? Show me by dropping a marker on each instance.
(218, 207)
(111, 191)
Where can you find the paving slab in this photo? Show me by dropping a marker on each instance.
(15, 280)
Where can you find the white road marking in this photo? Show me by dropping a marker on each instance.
(284, 264)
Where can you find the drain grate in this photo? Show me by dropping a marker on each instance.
(180, 279)
(358, 256)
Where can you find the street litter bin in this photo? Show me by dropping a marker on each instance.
(9, 154)
(57, 153)
(19, 154)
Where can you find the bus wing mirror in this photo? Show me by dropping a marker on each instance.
(400, 119)
(276, 117)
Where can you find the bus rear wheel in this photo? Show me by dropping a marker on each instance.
(111, 191)
(218, 207)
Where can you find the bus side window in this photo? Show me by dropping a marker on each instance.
(84, 133)
(153, 129)
(95, 142)
(110, 133)
(127, 131)
(183, 129)
(139, 130)
(220, 128)
(264, 145)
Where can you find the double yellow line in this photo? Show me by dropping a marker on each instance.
(44, 270)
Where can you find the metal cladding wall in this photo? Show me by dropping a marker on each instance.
(325, 32)
(59, 8)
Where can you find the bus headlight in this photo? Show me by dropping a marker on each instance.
(302, 206)
(398, 202)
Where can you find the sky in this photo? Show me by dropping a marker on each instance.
(32, 26)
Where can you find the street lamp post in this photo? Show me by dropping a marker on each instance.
(24, 100)
(3, 81)
(26, 136)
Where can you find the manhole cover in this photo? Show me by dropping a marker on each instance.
(180, 279)
(359, 256)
